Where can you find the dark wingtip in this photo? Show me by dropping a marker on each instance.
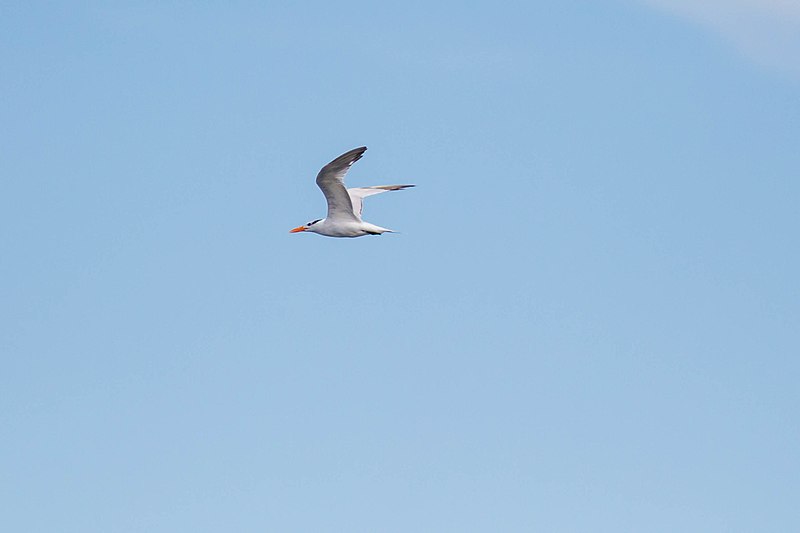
(355, 154)
(391, 187)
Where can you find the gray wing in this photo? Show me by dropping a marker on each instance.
(331, 180)
(357, 194)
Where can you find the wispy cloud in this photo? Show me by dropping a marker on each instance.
(766, 31)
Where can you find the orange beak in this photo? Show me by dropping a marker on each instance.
(297, 229)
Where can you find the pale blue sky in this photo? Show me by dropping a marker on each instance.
(590, 320)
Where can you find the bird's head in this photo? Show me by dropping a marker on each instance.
(305, 227)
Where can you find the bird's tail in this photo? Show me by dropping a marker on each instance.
(377, 230)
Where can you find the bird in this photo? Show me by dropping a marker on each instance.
(345, 205)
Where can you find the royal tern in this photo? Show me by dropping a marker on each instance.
(345, 205)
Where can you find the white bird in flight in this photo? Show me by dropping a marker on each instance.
(344, 205)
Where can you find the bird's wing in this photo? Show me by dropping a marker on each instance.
(357, 194)
(331, 180)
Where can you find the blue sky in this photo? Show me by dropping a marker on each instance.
(589, 321)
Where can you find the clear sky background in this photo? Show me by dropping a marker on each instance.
(590, 320)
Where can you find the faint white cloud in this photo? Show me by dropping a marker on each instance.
(766, 31)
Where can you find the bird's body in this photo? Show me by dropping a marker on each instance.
(345, 205)
(333, 228)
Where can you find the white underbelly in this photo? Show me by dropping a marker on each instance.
(355, 229)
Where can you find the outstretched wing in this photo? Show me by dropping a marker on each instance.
(357, 195)
(331, 180)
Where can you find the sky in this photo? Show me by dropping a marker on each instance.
(767, 31)
(588, 321)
